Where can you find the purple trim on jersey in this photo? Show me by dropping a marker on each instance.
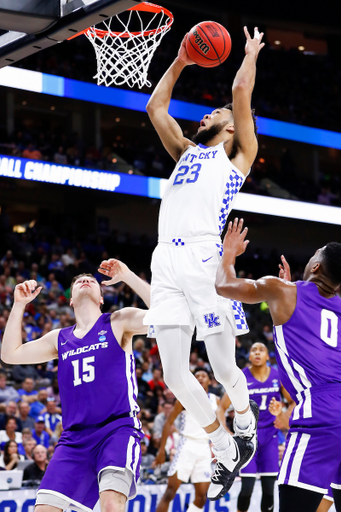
(262, 392)
(308, 350)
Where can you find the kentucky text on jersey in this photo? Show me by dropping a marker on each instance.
(201, 156)
(81, 350)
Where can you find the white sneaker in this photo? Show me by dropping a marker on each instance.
(234, 458)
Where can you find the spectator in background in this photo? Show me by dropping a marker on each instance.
(27, 392)
(147, 375)
(52, 418)
(21, 372)
(39, 406)
(39, 433)
(26, 420)
(31, 153)
(10, 434)
(36, 470)
(60, 157)
(156, 380)
(29, 445)
(7, 393)
(138, 349)
(11, 456)
(160, 420)
(147, 459)
(53, 391)
(144, 392)
(11, 410)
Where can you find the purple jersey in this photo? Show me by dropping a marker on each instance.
(309, 350)
(262, 392)
(96, 378)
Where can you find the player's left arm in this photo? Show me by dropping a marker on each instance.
(245, 140)
(245, 290)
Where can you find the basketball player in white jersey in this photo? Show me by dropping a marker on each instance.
(192, 459)
(199, 195)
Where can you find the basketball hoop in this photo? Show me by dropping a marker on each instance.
(124, 57)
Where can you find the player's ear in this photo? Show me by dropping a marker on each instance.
(315, 268)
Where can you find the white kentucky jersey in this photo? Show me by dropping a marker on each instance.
(189, 427)
(200, 193)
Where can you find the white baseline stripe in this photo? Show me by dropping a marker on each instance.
(286, 458)
(297, 462)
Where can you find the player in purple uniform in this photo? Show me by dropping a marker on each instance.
(98, 454)
(264, 385)
(307, 334)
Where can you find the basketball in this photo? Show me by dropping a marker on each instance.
(208, 44)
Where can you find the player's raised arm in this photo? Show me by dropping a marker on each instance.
(245, 140)
(167, 128)
(272, 290)
(161, 454)
(118, 271)
(13, 351)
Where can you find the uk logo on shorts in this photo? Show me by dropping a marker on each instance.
(212, 320)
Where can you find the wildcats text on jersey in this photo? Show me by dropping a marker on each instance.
(82, 350)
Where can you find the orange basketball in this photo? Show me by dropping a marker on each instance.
(208, 44)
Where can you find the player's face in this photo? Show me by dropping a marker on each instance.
(203, 379)
(86, 286)
(220, 116)
(259, 355)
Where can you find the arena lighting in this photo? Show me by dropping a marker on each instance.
(64, 87)
(46, 172)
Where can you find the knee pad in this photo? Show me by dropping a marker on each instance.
(268, 484)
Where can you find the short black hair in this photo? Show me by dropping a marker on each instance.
(331, 259)
(199, 369)
(229, 106)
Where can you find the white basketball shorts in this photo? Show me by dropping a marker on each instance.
(192, 460)
(183, 288)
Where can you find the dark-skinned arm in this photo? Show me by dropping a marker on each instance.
(161, 454)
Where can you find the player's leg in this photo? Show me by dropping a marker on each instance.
(112, 501)
(268, 485)
(337, 499)
(221, 351)
(296, 499)
(172, 486)
(200, 498)
(245, 494)
(220, 348)
(174, 343)
(47, 508)
(325, 505)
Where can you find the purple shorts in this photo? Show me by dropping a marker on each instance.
(312, 454)
(265, 460)
(81, 455)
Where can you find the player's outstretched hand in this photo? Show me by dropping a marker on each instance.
(275, 407)
(115, 269)
(234, 240)
(253, 46)
(26, 292)
(159, 459)
(183, 55)
(284, 269)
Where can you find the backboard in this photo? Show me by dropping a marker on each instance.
(28, 26)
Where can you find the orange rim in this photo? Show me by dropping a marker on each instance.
(144, 7)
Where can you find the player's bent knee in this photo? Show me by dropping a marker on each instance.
(169, 494)
(243, 503)
(267, 502)
(112, 501)
(46, 508)
(200, 500)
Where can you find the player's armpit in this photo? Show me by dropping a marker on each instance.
(131, 320)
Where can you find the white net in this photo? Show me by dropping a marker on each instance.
(124, 57)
